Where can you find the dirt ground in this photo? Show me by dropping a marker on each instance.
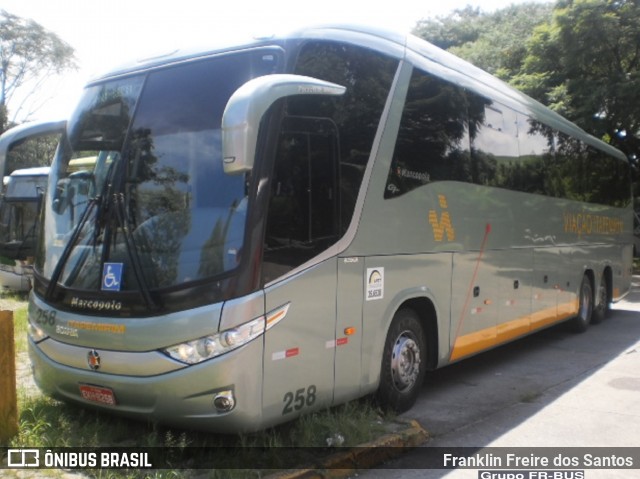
(11, 303)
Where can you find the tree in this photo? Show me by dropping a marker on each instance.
(495, 42)
(585, 63)
(579, 57)
(29, 56)
(460, 27)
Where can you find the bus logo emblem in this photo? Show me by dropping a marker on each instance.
(443, 225)
(93, 360)
(111, 276)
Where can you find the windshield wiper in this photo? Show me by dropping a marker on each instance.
(66, 252)
(122, 221)
(98, 201)
(132, 251)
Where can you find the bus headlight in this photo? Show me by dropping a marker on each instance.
(35, 333)
(201, 349)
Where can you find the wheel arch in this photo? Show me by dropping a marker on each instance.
(421, 301)
(403, 362)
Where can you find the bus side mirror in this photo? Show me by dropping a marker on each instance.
(61, 196)
(246, 107)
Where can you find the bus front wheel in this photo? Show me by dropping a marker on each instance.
(403, 362)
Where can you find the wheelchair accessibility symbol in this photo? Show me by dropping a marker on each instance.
(111, 276)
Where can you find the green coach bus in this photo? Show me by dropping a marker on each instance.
(279, 226)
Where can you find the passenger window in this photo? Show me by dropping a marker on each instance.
(494, 144)
(448, 133)
(589, 174)
(433, 140)
(536, 144)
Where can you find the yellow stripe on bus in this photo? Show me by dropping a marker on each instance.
(487, 338)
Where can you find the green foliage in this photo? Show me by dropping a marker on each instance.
(460, 27)
(495, 42)
(20, 329)
(589, 59)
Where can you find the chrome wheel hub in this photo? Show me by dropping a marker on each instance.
(405, 362)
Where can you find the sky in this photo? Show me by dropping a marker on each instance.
(106, 34)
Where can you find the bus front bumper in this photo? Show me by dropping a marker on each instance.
(182, 398)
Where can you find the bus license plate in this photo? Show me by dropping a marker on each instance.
(97, 394)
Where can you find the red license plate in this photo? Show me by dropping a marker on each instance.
(97, 394)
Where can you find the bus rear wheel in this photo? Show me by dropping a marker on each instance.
(585, 307)
(601, 310)
(403, 362)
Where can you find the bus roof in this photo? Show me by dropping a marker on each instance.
(331, 32)
(398, 45)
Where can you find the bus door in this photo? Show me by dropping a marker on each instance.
(302, 223)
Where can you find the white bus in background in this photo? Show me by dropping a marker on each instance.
(284, 225)
(19, 206)
(22, 192)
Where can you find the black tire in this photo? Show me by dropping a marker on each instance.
(601, 308)
(403, 362)
(581, 322)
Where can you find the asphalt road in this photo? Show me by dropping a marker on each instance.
(555, 389)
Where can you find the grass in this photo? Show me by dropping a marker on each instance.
(20, 328)
(46, 422)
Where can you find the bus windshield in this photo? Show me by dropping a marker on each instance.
(19, 211)
(137, 197)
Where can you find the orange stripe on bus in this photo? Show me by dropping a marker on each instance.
(487, 338)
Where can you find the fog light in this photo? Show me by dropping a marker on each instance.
(224, 401)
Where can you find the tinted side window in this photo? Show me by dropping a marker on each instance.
(584, 173)
(494, 144)
(608, 179)
(433, 141)
(322, 153)
(537, 156)
(451, 134)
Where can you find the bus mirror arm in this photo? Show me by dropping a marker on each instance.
(248, 104)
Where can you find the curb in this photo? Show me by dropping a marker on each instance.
(365, 456)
